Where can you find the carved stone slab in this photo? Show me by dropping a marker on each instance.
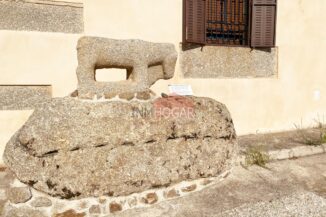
(140, 58)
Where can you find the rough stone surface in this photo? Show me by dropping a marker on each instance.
(102, 200)
(115, 207)
(14, 97)
(2, 206)
(6, 178)
(70, 213)
(19, 194)
(83, 205)
(127, 96)
(171, 194)
(72, 148)
(132, 202)
(109, 95)
(151, 198)
(45, 16)
(206, 182)
(95, 209)
(189, 188)
(144, 95)
(234, 62)
(41, 202)
(24, 212)
(134, 55)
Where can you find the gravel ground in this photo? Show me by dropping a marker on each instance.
(299, 204)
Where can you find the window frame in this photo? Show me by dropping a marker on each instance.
(249, 32)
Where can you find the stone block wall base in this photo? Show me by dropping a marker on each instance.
(229, 62)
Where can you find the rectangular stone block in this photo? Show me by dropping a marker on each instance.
(280, 154)
(45, 16)
(15, 97)
(307, 151)
(228, 62)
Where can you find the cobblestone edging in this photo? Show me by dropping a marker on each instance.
(19, 199)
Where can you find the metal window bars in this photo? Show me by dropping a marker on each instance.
(227, 22)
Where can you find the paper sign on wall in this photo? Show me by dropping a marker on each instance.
(181, 89)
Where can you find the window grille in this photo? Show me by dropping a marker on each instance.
(227, 22)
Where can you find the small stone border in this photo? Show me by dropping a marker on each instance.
(291, 153)
(125, 97)
(23, 199)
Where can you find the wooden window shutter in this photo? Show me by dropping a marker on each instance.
(194, 21)
(263, 23)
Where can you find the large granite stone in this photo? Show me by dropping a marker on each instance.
(145, 62)
(73, 148)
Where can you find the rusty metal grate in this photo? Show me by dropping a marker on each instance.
(227, 22)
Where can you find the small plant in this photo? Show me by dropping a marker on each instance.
(312, 141)
(254, 156)
(323, 138)
(320, 124)
(303, 136)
